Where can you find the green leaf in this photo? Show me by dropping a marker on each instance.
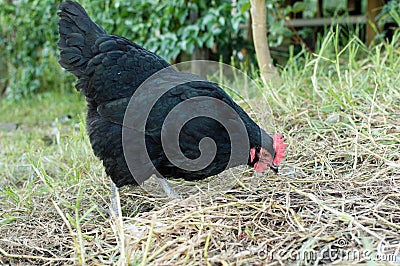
(288, 9)
(208, 20)
(190, 31)
(245, 7)
(190, 47)
(210, 41)
(299, 7)
(236, 21)
(221, 21)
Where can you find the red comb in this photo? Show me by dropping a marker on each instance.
(279, 147)
(252, 154)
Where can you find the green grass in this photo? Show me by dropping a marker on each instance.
(42, 109)
(340, 112)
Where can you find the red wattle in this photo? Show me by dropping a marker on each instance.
(280, 148)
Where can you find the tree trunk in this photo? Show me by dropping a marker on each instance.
(199, 53)
(373, 8)
(259, 27)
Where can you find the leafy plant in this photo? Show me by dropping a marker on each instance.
(28, 46)
(169, 28)
(277, 15)
(29, 34)
(389, 13)
(389, 18)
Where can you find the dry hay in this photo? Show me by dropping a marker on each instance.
(337, 192)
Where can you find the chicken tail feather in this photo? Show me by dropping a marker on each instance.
(78, 34)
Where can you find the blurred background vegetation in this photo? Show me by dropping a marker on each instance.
(176, 30)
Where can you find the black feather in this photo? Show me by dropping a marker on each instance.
(109, 69)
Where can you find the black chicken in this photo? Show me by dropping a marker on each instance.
(110, 69)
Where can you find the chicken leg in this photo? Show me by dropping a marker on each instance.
(116, 214)
(115, 201)
(167, 187)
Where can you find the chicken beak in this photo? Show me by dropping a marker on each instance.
(274, 168)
